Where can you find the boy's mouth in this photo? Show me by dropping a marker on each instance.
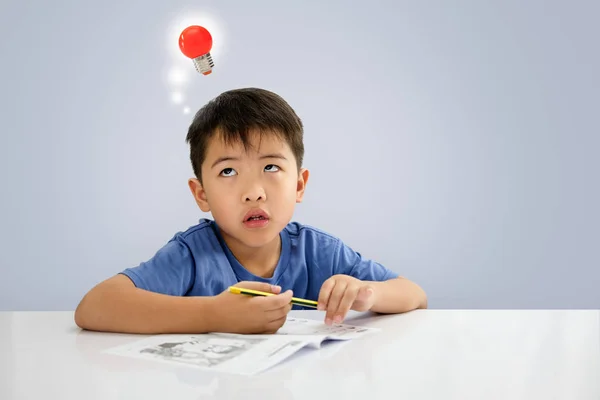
(254, 217)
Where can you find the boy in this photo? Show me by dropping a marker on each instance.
(246, 150)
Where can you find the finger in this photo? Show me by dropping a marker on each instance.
(334, 300)
(261, 286)
(273, 326)
(275, 302)
(365, 294)
(364, 299)
(274, 315)
(324, 294)
(345, 303)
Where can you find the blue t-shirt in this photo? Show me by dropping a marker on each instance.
(198, 262)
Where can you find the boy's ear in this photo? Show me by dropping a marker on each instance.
(301, 184)
(199, 194)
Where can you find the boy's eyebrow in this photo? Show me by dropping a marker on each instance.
(226, 158)
(230, 158)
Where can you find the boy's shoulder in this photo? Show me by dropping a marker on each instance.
(205, 226)
(309, 232)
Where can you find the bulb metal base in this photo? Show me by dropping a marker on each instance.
(204, 64)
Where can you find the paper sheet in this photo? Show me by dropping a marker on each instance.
(235, 353)
(302, 326)
(316, 332)
(244, 355)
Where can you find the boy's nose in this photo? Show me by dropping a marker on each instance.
(255, 194)
(254, 198)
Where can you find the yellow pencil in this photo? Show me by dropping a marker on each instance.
(250, 292)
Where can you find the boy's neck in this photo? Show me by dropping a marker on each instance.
(260, 261)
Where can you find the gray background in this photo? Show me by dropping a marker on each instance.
(454, 141)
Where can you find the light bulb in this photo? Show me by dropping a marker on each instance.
(195, 42)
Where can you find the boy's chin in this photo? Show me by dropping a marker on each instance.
(253, 238)
(258, 237)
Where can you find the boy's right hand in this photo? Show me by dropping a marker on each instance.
(238, 313)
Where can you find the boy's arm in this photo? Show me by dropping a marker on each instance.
(397, 295)
(116, 305)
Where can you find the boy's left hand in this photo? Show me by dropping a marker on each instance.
(341, 293)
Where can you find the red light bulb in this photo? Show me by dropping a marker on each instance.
(195, 42)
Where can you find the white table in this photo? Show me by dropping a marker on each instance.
(425, 354)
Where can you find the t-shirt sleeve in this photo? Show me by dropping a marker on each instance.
(170, 271)
(349, 262)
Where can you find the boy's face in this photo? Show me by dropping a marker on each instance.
(251, 194)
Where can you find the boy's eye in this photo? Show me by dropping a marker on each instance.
(271, 168)
(228, 172)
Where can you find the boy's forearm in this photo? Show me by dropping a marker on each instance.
(397, 296)
(133, 310)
